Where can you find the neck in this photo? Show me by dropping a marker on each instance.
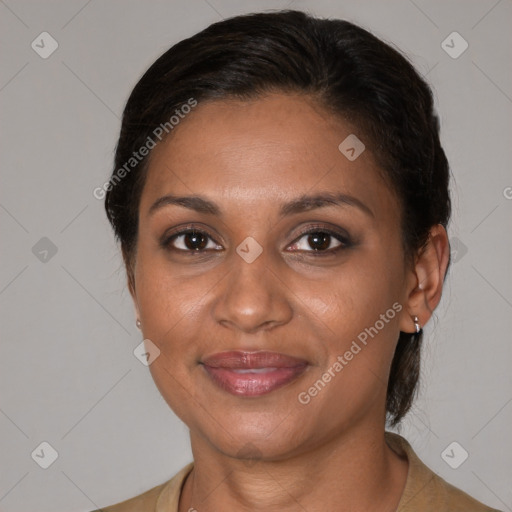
(355, 471)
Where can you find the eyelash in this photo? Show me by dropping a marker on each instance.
(344, 240)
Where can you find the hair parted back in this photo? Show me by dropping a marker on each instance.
(350, 73)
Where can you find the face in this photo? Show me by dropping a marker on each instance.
(276, 317)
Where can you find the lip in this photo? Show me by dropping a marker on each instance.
(252, 373)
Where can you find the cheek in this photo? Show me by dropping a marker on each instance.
(167, 305)
(352, 296)
(357, 310)
(169, 309)
(166, 297)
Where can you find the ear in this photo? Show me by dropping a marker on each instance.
(426, 279)
(130, 280)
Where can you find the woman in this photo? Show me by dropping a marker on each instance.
(281, 199)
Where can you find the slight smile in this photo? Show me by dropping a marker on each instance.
(252, 373)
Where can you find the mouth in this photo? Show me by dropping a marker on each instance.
(252, 373)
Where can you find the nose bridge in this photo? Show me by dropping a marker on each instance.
(252, 296)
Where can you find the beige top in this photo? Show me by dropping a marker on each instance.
(424, 490)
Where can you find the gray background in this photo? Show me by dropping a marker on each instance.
(68, 373)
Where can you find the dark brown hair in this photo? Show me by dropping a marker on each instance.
(349, 72)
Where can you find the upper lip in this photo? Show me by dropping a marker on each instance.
(245, 360)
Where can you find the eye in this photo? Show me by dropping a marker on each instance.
(190, 240)
(316, 240)
(321, 241)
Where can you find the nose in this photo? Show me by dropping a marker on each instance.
(252, 297)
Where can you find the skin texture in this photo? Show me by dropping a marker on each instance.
(272, 452)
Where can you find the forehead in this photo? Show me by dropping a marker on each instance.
(263, 151)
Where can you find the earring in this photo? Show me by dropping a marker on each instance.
(417, 326)
(138, 324)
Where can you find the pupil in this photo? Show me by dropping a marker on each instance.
(195, 239)
(321, 240)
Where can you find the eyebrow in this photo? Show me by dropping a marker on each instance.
(298, 205)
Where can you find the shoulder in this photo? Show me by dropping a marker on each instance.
(148, 501)
(425, 490)
(454, 499)
(141, 503)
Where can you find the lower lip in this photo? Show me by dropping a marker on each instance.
(253, 384)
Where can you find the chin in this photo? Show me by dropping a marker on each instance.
(251, 435)
(249, 444)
